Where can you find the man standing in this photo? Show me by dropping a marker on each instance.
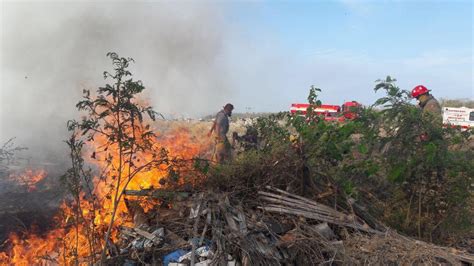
(222, 149)
(426, 101)
(429, 105)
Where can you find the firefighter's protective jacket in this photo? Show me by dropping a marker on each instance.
(431, 105)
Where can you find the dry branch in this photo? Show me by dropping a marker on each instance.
(297, 205)
(157, 193)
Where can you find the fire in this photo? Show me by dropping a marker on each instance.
(33, 250)
(29, 178)
(81, 228)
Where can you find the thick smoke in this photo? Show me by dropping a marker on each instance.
(51, 52)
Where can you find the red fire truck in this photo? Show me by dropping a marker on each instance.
(348, 111)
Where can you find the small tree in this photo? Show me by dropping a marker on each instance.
(117, 118)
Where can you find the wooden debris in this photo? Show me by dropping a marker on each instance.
(325, 231)
(291, 230)
(175, 240)
(288, 203)
(157, 193)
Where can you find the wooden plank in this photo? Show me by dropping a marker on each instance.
(157, 193)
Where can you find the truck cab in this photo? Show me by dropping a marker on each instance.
(351, 109)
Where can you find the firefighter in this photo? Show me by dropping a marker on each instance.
(426, 101)
(429, 105)
(222, 149)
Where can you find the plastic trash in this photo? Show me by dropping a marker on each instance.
(173, 256)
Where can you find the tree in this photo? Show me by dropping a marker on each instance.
(115, 118)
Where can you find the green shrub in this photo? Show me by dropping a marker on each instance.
(419, 185)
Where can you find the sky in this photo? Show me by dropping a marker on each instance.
(344, 46)
(196, 56)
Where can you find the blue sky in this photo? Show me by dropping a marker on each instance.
(409, 27)
(343, 46)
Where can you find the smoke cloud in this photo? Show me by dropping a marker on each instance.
(51, 52)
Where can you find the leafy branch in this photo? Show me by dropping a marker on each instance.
(115, 122)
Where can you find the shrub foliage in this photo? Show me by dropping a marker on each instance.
(397, 163)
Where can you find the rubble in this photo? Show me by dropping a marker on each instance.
(279, 228)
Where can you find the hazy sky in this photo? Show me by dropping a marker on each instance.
(195, 56)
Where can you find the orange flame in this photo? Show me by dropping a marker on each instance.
(80, 231)
(29, 178)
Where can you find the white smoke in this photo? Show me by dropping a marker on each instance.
(51, 51)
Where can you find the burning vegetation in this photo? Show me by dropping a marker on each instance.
(121, 145)
(306, 191)
(29, 178)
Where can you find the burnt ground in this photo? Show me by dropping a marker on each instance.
(22, 210)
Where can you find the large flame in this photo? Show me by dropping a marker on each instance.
(81, 227)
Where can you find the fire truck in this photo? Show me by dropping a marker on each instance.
(452, 116)
(336, 113)
(458, 117)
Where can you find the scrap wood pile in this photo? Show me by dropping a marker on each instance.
(276, 227)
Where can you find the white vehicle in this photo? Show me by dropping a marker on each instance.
(462, 116)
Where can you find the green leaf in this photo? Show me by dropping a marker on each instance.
(363, 148)
(396, 173)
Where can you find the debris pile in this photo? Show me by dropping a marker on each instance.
(274, 227)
